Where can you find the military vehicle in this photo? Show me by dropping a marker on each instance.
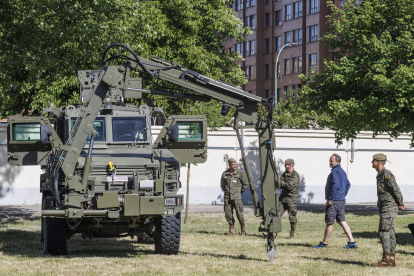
(104, 176)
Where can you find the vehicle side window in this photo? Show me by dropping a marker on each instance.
(100, 127)
(190, 130)
(26, 132)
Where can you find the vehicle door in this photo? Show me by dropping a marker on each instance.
(190, 145)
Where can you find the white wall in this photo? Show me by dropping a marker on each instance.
(310, 149)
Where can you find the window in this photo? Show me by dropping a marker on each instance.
(267, 20)
(251, 3)
(278, 18)
(278, 70)
(238, 5)
(299, 36)
(251, 22)
(297, 9)
(287, 38)
(248, 48)
(251, 92)
(267, 71)
(313, 61)
(300, 64)
(239, 48)
(251, 47)
(267, 45)
(313, 33)
(287, 13)
(286, 91)
(99, 125)
(278, 43)
(26, 132)
(128, 129)
(190, 130)
(278, 95)
(286, 66)
(313, 6)
(295, 65)
(267, 2)
(266, 94)
(295, 36)
(249, 72)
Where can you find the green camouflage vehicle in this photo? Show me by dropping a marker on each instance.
(105, 176)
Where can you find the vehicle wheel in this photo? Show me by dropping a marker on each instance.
(54, 236)
(168, 231)
(145, 238)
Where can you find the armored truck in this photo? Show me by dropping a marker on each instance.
(103, 173)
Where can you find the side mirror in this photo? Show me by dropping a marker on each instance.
(44, 134)
(173, 133)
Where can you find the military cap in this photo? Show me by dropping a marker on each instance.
(379, 157)
(232, 160)
(289, 161)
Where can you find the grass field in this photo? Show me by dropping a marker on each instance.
(205, 250)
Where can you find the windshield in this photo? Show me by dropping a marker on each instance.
(129, 128)
(99, 125)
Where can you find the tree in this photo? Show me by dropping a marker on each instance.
(369, 83)
(292, 112)
(43, 44)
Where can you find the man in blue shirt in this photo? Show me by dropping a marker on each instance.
(336, 189)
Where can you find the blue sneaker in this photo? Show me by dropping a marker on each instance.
(321, 245)
(351, 245)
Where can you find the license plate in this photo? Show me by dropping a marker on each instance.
(117, 178)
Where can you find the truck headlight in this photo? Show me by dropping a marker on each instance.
(170, 201)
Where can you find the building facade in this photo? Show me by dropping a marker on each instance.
(275, 23)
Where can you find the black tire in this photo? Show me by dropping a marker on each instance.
(168, 232)
(145, 238)
(55, 232)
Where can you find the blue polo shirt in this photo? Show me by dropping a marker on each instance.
(337, 184)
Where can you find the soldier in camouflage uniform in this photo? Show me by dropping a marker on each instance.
(288, 200)
(233, 183)
(390, 200)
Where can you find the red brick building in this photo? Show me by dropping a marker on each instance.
(274, 24)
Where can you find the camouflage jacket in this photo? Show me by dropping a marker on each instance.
(388, 192)
(233, 184)
(289, 183)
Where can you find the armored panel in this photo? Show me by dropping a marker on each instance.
(131, 205)
(108, 200)
(152, 205)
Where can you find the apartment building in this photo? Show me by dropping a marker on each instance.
(274, 24)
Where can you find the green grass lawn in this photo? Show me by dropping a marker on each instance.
(205, 250)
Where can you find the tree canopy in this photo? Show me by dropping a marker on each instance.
(44, 43)
(368, 84)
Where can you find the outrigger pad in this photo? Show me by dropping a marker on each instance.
(271, 253)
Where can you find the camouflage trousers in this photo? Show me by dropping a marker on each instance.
(292, 209)
(386, 230)
(236, 204)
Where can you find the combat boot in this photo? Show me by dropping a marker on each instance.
(231, 231)
(392, 260)
(292, 234)
(384, 262)
(243, 231)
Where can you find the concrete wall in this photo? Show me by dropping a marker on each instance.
(311, 150)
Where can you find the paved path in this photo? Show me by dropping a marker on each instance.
(25, 210)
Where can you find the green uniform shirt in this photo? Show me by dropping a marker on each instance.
(388, 192)
(233, 184)
(289, 183)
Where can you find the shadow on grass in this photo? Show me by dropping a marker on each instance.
(236, 257)
(224, 233)
(404, 252)
(15, 220)
(337, 261)
(296, 244)
(402, 238)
